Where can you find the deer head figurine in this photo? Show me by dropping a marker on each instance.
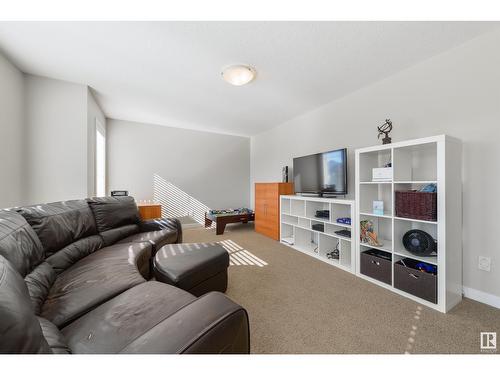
(385, 129)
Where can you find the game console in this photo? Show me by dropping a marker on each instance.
(344, 233)
(319, 227)
(344, 220)
(324, 214)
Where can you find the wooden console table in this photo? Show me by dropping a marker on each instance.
(149, 210)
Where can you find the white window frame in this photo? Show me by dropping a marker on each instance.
(99, 130)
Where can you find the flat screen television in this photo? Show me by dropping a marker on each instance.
(324, 173)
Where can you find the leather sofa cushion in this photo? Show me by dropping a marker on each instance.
(39, 283)
(114, 212)
(112, 326)
(42, 278)
(54, 337)
(75, 251)
(19, 244)
(160, 224)
(157, 238)
(59, 224)
(113, 235)
(212, 324)
(20, 331)
(95, 279)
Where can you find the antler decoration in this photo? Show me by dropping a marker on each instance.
(385, 129)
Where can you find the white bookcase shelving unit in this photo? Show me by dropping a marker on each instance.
(297, 216)
(415, 163)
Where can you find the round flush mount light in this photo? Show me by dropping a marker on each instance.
(238, 75)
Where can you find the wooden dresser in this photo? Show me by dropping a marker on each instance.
(267, 204)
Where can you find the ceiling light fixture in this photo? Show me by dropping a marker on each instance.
(238, 75)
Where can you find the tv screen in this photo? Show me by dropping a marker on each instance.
(321, 173)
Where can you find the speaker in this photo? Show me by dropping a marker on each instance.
(119, 193)
(419, 242)
(284, 173)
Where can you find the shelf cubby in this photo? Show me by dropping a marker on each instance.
(403, 226)
(409, 186)
(416, 162)
(410, 280)
(375, 192)
(285, 206)
(314, 222)
(326, 245)
(373, 159)
(345, 256)
(306, 240)
(297, 208)
(331, 228)
(288, 219)
(338, 211)
(383, 227)
(313, 206)
(304, 223)
(287, 231)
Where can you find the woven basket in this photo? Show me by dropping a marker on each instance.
(416, 205)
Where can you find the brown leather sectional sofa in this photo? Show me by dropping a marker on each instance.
(74, 279)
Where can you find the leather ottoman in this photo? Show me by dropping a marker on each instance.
(198, 268)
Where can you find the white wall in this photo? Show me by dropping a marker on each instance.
(211, 168)
(455, 93)
(11, 134)
(56, 140)
(94, 113)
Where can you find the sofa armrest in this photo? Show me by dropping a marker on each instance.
(209, 325)
(163, 223)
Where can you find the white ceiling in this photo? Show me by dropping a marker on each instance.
(169, 72)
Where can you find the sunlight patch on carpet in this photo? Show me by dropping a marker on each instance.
(239, 256)
(413, 332)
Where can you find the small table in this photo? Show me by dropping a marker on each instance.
(149, 211)
(224, 217)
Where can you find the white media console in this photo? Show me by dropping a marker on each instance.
(415, 164)
(297, 217)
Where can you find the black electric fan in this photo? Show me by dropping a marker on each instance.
(419, 242)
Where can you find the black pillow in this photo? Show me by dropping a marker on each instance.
(59, 224)
(114, 212)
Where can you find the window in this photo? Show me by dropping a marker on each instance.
(100, 160)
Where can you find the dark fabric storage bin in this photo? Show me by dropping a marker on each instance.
(375, 266)
(413, 281)
(416, 205)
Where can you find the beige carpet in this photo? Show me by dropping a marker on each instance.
(298, 304)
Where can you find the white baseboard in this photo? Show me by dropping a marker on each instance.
(482, 297)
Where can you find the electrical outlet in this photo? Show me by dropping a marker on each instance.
(484, 263)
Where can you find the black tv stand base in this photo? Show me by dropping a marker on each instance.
(320, 195)
(331, 196)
